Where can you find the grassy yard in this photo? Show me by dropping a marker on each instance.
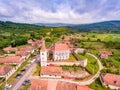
(92, 65)
(37, 71)
(71, 58)
(74, 67)
(26, 87)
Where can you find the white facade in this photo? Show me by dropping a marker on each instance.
(61, 55)
(43, 57)
(50, 76)
(7, 75)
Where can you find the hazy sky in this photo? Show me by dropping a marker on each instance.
(64, 11)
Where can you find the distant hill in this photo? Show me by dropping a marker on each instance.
(106, 26)
(23, 27)
(7, 25)
(101, 26)
(52, 24)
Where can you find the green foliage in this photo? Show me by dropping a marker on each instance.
(97, 85)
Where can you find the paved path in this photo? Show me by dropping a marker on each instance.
(91, 80)
(24, 77)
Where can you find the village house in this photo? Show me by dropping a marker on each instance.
(11, 60)
(6, 71)
(41, 84)
(34, 42)
(67, 39)
(23, 54)
(9, 49)
(28, 49)
(105, 54)
(110, 80)
(51, 71)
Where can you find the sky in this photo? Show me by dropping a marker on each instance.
(59, 11)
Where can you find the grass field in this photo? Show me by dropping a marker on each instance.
(37, 71)
(105, 37)
(92, 65)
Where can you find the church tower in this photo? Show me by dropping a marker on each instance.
(43, 54)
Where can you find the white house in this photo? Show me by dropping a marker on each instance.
(110, 80)
(6, 71)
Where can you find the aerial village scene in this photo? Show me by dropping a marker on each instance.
(59, 50)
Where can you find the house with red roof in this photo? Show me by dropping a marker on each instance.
(61, 51)
(9, 49)
(34, 42)
(110, 80)
(11, 60)
(25, 52)
(29, 49)
(6, 71)
(51, 71)
(105, 54)
(22, 54)
(41, 84)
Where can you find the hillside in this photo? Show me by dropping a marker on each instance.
(107, 26)
(7, 25)
(53, 24)
(113, 26)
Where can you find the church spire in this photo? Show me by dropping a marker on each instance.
(43, 48)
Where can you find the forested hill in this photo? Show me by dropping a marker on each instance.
(113, 26)
(107, 26)
(17, 26)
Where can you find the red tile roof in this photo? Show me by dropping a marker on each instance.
(26, 48)
(30, 41)
(9, 49)
(43, 48)
(67, 38)
(21, 53)
(60, 46)
(52, 83)
(5, 69)
(51, 70)
(34, 42)
(10, 59)
(39, 84)
(65, 86)
(105, 53)
(82, 87)
(111, 79)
